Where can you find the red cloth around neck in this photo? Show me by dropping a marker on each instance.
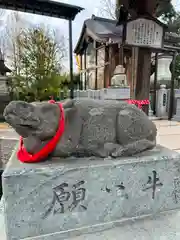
(26, 157)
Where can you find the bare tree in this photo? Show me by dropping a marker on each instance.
(108, 9)
(13, 25)
(2, 23)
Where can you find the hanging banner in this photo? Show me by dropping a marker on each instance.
(78, 62)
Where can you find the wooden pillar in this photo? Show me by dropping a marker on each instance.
(171, 105)
(106, 67)
(81, 74)
(142, 88)
(110, 63)
(155, 83)
(85, 72)
(134, 60)
(121, 55)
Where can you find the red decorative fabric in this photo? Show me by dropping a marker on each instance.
(139, 103)
(26, 157)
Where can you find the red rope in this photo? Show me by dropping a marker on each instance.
(26, 157)
(139, 102)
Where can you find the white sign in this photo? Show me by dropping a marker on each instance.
(117, 93)
(144, 33)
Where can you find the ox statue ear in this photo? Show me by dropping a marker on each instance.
(69, 103)
(69, 108)
(69, 112)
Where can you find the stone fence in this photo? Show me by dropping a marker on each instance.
(162, 98)
(106, 93)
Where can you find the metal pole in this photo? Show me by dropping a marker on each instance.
(96, 63)
(71, 61)
(171, 105)
(155, 83)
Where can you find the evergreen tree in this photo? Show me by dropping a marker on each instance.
(37, 64)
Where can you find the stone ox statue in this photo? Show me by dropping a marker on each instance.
(92, 127)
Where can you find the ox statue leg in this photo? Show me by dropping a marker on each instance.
(133, 148)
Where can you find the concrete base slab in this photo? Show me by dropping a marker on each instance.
(56, 197)
(160, 227)
(164, 226)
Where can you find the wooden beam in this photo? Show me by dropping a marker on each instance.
(94, 67)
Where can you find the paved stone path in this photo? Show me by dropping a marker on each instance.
(8, 133)
(168, 134)
(4, 125)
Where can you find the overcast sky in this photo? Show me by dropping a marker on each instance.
(90, 7)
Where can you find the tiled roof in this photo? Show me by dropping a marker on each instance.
(102, 29)
(43, 7)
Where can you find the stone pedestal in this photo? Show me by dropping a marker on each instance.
(58, 199)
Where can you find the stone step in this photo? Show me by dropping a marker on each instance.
(56, 197)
